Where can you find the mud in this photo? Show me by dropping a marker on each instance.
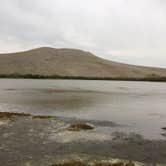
(45, 141)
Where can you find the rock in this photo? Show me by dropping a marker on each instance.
(80, 126)
(163, 134)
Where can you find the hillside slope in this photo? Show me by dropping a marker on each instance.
(69, 62)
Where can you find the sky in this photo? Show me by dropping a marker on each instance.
(129, 31)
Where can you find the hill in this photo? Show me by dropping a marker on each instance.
(72, 63)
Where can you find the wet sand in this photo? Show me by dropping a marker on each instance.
(42, 141)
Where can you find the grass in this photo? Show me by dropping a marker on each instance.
(152, 77)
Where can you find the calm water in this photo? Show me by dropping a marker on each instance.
(138, 106)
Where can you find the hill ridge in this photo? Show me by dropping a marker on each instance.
(47, 61)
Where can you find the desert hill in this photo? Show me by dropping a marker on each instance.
(71, 63)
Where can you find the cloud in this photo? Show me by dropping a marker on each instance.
(130, 31)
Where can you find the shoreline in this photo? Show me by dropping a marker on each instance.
(43, 140)
(31, 76)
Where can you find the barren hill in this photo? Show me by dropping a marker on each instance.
(71, 63)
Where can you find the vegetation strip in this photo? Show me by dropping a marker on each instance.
(28, 76)
(8, 115)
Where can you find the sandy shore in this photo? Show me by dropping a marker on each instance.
(28, 140)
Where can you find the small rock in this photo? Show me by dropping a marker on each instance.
(80, 126)
(163, 134)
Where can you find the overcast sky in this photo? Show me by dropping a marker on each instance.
(130, 31)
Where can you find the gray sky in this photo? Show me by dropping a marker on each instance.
(130, 31)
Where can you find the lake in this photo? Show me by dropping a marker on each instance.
(138, 107)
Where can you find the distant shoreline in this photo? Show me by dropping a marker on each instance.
(31, 76)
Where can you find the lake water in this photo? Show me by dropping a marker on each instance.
(137, 106)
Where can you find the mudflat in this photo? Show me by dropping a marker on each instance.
(39, 140)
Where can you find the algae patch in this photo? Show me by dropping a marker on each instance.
(41, 117)
(10, 115)
(97, 163)
(80, 126)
